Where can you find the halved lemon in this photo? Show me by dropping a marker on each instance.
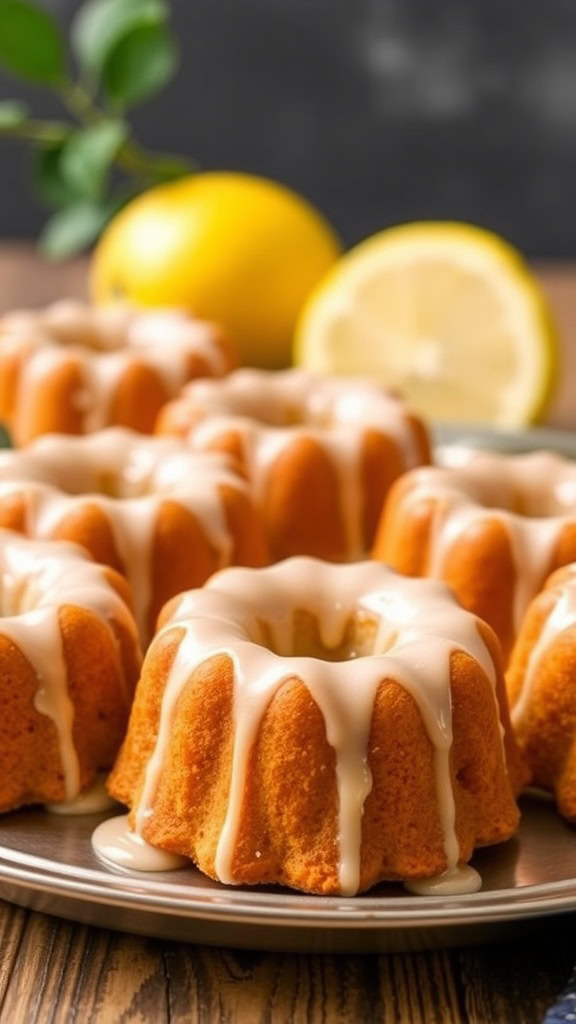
(447, 313)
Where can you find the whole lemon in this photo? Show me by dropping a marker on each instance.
(238, 249)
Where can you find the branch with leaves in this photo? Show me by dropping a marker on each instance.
(89, 164)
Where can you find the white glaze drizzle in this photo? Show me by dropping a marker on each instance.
(37, 634)
(270, 411)
(104, 344)
(533, 496)
(93, 800)
(57, 474)
(117, 846)
(457, 881)
(263, 447)
(37, 581)
(420, 626)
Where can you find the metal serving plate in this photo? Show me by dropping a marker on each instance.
(47, 864)
(511, 441)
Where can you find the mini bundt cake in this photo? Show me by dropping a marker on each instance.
(72, 369)
(320, 452)
(164, 516)
(541, 681)
(69, 661)
(492, 527)
(321, 726)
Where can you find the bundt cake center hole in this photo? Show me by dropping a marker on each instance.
(86, 338)
(303, 636)
(534, 502)
(131, 482)
(84, 333)
(73, 325)
(266, 410)
(79, 478)
(533, 495)
(539, 503)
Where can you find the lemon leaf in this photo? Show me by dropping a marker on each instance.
(88, 155)
(100, 25)
(31, 44)
(47, 175)
(12, 114)
(142, 63)
(75, 227)
(166, 167)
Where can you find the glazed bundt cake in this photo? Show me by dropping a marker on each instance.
(164, 516)
(320, 452)
(321, 726)
(493, 527)
(69, 661)
(541, 681)
(73, 369)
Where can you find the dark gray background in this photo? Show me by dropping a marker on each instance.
(378, 110)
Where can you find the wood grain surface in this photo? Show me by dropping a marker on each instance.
(55, 972)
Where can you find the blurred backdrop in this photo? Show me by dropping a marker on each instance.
(379, 110)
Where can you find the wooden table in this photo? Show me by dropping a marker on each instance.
(55, 972)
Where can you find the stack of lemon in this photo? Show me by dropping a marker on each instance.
(447, 313)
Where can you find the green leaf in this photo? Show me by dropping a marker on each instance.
(100, 25)
(75, 227)
(142, 62)
(77, 167)
(47, 176)
(88, 155)
(166, 167)
(31, 43)
(12, 114)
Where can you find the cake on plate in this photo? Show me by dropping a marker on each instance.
(73, 369)
(321, 726)
(493, 527)
(164, 516)
(69, 661)
(319, 452)
(541, 681)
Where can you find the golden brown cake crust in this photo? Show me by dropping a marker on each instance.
(56, 374)
(320, 453)
(102, 664)
(481, 562)
(171, 540)
(288, 830)
(546, 727)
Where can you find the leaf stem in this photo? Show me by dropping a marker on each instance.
(79, 102)
(46, 132)
(135, 160)
(131, 157)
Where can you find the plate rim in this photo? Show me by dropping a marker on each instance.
(295, 910)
